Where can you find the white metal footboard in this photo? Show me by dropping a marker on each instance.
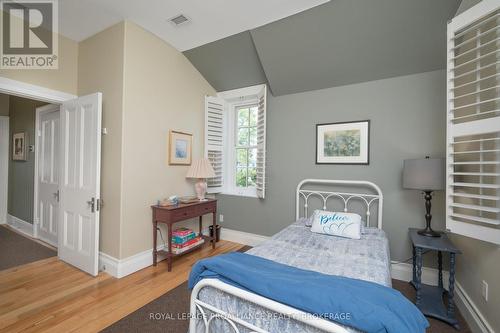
(199, 311)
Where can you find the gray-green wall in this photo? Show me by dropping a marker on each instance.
(479, 262)
(21, 173)
(4, 105)
(407, 121)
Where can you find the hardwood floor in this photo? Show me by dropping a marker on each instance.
(51, 296)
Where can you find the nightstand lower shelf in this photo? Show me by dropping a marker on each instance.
(207, 239)
(433, 304)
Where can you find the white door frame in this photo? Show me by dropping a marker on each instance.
(4, 177)
(39, 112)
(31, 91)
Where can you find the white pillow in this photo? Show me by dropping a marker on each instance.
(308, 221)
(338, 224)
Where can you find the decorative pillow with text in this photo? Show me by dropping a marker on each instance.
(346, 225)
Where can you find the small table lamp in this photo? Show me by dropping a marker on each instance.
(201, 169)
(427, 175)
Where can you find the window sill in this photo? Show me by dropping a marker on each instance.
(237, 194)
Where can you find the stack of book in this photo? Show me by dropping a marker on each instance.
(184, 239)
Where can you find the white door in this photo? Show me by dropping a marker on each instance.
(79, 182)
(48, 174)
(4, 167)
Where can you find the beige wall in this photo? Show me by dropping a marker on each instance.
(63, 79)
(100, 69)
(162, 91)
(148, 88)
(4, 105)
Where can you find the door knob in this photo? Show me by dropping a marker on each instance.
(91, 203)
(56, 195)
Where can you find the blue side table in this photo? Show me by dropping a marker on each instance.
(430, 298)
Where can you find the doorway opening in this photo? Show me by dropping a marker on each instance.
(57, 164)
(18, 178)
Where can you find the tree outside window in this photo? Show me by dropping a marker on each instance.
(246, 146)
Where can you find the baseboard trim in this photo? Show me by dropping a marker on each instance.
(242, 237)
(20, 225)
(404, 271)
(477, 322)
(122, 267)
(108, 264)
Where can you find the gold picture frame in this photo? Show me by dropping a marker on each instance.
(180, 148)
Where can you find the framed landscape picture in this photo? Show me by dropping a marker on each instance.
(180, 148)
(343, 143)
(19, 146)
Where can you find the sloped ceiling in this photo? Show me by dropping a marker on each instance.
(466, 4)
(229, 63)
(338, 43)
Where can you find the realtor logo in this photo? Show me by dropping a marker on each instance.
(29, 34)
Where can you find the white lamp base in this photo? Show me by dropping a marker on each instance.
(200, 188)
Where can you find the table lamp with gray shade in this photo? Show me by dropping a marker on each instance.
(201, 170)
(427, 175)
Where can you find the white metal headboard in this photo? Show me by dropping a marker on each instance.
(346, 197)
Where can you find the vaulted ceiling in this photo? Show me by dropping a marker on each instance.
(209, 20)
(340, 42)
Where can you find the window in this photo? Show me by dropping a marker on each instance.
(246, 146)
(473, 150)
(235, 141)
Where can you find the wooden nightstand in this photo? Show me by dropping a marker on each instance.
(430, 298)
(179, 213)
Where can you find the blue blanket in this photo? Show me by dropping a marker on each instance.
(363, 305)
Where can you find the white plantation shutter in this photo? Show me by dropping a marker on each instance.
(215, 141)
(473, 133)
(221, 128)
(261, 145)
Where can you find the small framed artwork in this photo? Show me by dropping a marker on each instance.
(343, 143)
(180, 148)
(19, 146)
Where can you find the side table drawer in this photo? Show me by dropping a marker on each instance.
(161, 215)
(205, 208)
(183, 214)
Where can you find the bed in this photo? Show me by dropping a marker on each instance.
(220, 307)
